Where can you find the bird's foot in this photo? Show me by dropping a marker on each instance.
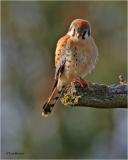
(82, 82)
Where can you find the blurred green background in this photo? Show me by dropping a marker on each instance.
(30, 31)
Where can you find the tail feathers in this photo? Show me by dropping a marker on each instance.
(48, 106)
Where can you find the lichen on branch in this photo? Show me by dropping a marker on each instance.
(96, 96)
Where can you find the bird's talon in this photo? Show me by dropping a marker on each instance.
(82, 82)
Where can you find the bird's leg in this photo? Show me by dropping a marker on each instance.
(81, 81)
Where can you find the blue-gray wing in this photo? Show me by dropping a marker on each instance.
(60, 55)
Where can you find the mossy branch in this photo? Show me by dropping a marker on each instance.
(96, 96)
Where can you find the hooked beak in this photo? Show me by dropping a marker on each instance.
(78, 34)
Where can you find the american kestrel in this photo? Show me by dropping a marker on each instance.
(75, 56)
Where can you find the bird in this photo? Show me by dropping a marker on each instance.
(76, 55)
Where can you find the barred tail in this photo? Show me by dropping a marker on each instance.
(53, 98)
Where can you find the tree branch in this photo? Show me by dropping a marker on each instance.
(96, 96)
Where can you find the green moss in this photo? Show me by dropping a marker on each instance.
(70, 100)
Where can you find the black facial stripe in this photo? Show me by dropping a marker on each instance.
(84, 33)
(83, 36)
(73, 32)
(89, 32)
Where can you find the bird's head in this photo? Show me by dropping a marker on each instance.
(79, 29)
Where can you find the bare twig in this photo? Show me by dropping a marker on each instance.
(96, 96)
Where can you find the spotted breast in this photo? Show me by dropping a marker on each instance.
(80, 57)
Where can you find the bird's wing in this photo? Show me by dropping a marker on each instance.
(60, 56)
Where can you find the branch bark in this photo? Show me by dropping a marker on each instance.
(96, 96)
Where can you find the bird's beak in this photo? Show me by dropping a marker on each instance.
(78, 34)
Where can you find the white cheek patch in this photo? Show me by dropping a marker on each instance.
(70, 33)
(86, 35)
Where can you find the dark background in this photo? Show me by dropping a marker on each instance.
(30, 31)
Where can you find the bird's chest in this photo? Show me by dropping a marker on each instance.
(77, 59)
